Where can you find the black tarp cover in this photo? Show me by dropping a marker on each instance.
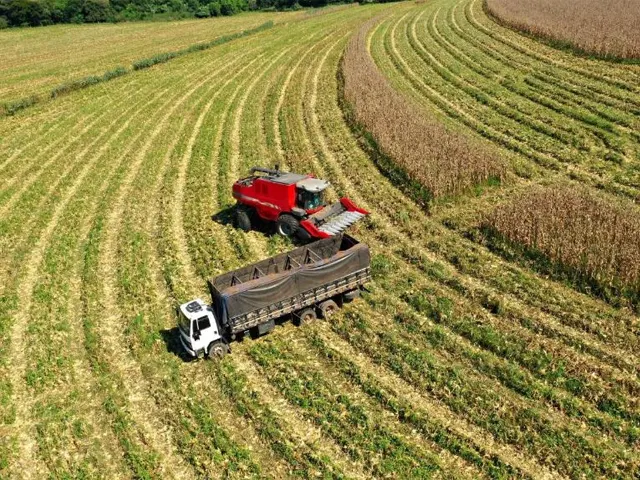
(287, 275)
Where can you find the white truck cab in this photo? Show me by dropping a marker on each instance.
(199, 333)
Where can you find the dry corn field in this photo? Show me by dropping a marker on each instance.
(577, 229)
(607, 29)
(460, 362)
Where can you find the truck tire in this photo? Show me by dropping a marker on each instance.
(328, 308)
(351, 295)
(217, 350)
(243, 219)
(305, 315)
(303, 235)
(287, 225)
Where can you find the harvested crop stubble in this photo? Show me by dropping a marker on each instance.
(608, 29)
(442, 161)
(596, 238)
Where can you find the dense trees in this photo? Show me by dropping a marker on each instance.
(47, 12)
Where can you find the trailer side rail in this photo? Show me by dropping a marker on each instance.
(302, 300)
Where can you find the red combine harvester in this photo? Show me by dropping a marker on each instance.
(294, 202)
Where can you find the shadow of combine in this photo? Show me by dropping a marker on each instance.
(227, 215)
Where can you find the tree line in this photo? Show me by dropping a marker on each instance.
(16, 13)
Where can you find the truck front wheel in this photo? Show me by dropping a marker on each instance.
(351, 295)
(287, 225)
(217, 350)
(328, 308)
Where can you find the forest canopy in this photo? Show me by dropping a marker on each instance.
(47, 12)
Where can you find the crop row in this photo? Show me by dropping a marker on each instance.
(590, 28)
(129, 240)
(551, 131)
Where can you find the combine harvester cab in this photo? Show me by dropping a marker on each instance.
(294, 202)
(307, 282)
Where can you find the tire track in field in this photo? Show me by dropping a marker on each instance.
(300, 430)
(28, 463)
(532, 106)
(573, 90)
(275, 118)
(27, 180)
(248, 435)
(230, 424)
(151, 223)
(591, 332)
(435, 409)
(338, 175)
(33, 139)
(218, 231)
(432, 98)
(177, 200)
(612, 373)
(573, 70)
(144, 414)
(505, 451)
(255, 243)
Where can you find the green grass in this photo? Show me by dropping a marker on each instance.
(451, 336)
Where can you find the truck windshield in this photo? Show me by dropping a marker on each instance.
(184, 323)
(309, 200)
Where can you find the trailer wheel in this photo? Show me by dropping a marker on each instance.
(243, 220)
(351, 295)
(303, 235)
(304, 316)
(328, 308)
(287, 225)
(217, 350)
